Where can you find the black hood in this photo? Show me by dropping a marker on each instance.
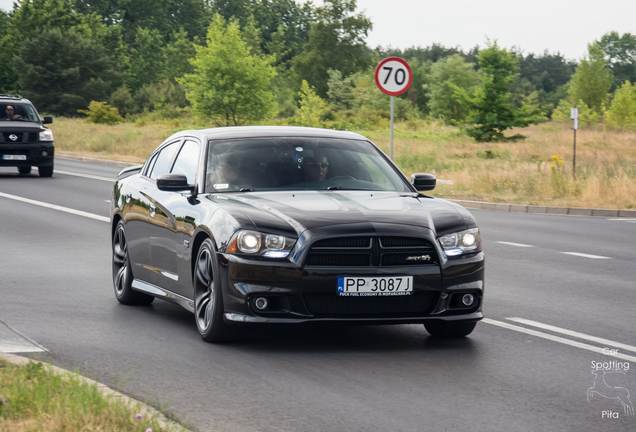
(20, 126)
(294, 212)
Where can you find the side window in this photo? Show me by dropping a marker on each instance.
(188, 161)
(162, 164)
(377, 176)
(149, 164)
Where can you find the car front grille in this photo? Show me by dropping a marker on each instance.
(332, 304)
(6, 136)
(371, 251)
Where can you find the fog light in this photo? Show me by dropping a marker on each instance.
(261, 303)
(468, 299)
(45, 153)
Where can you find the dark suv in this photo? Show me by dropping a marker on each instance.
(24, 141)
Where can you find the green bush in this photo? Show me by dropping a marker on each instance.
(101, 113)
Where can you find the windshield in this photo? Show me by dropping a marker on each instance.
(18, 112)
(299, 164)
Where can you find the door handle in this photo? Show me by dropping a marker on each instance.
(153, 210)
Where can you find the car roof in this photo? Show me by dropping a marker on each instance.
(238, 132)
(12, 97)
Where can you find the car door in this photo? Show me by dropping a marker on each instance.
(156, 216)
(172, 226)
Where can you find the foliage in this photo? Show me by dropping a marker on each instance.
(177, 52)
(229, 84)
(311, 107)
(146, 61)
(101, 113)
(620, 54)
(340, 90)
(61, 71)
(447, 75)
(489, 108)
(155, 96)
(122, 100)
(591, 81)
(336, 41)
(622, 113)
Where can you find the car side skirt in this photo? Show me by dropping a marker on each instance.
(163, 294)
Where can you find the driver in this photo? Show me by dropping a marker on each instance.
(315, 168)
(231, 171)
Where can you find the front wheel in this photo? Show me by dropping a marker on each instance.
(46, 171)
(208, 300)
(122, 273)
(449, 329)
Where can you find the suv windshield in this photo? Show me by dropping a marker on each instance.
(299, 164)
(18, 112)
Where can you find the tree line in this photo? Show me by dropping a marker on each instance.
(238, 61)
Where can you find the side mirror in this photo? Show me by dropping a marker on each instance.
(424, 181)
(173, 183)
(47, 119)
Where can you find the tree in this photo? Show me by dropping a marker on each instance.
(447, 75)
(147, 58)
(311, 107)
(229, 84)
(622, 112)
(591, 81)
(490, 111)
(62, 72)
(178, 52)
(340, 90)
(620, 54)
(336, 41)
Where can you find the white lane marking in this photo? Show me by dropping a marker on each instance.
(8, 347)
(514, 244)
(85, 176)
(56, 207)
(608, 343)
(623, 219)
(558, 339)
(586, 255)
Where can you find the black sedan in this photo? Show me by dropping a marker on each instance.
(288, 225)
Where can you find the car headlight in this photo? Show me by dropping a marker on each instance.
(461, 242)
(46, 135)
(256, 243)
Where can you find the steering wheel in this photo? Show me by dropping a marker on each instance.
(343, 177)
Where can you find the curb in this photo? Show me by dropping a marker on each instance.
(94, 160)
(516, 208)
(145, 410)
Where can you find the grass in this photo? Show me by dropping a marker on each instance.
(34, 398)
(523, 172)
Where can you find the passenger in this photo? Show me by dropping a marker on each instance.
(315, 168)
(10, 114)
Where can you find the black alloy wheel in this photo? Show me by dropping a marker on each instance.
(449, 329)
(122, 273)
(45, 171)
(208, 301)
(24, 170)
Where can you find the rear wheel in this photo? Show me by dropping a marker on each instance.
(45, 171)
(24, 169)
(449, 329)
(208, 301)
(122, 273)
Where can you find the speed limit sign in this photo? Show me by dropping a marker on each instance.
(393, 76)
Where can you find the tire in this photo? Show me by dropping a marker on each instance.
(208, 298)
(449, 329)
(45, 171)
(122, 272)
(24, 170)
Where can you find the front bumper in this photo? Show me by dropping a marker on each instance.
(37, 154)
(308, 294)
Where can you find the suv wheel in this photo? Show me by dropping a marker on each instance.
(45, 171)
(24, 170)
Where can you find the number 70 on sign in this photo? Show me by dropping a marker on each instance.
(393, 76)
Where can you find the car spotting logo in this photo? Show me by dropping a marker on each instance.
(419, 258)
(612, 400)
(13, 137)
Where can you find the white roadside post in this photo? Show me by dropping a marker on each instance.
(393, 77)
(574, 115)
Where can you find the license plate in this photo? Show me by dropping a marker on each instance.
(14, 157)
(375, 286)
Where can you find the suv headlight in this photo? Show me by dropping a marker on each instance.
(46, 135)
(256, 243)
(462, 242)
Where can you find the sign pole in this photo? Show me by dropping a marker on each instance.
(392, 105)
(393, 77)
(574, 115)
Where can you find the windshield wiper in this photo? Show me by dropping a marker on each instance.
(246, 189)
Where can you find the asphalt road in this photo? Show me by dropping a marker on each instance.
(509, 375)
